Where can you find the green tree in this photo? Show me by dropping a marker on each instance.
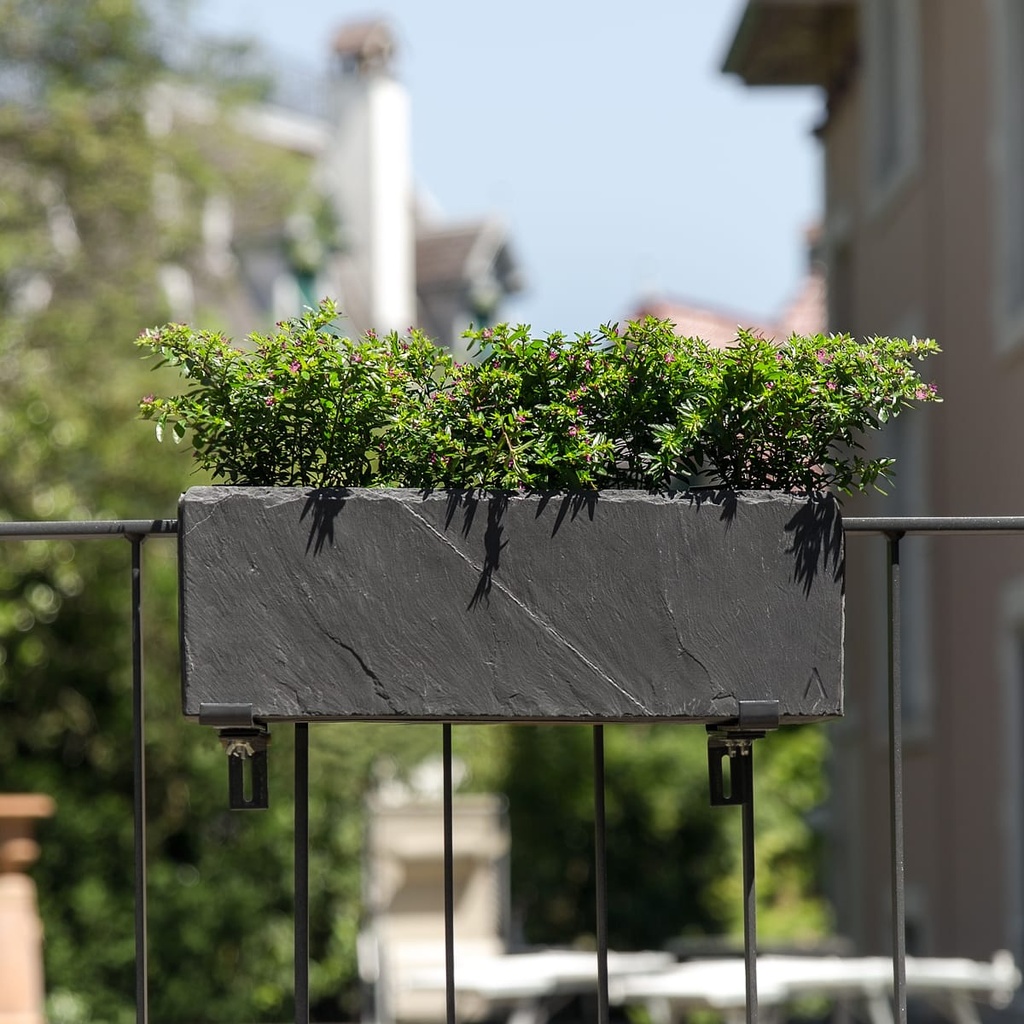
(674, 864)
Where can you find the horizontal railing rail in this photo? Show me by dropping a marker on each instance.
(892, 528)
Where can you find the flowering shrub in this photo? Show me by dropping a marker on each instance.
(636, 408)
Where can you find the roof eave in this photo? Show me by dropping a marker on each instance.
(793, 42)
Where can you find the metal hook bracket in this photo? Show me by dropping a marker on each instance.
(247, 756)
(245, 741)
(732, 743)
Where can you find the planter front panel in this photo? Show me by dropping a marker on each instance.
(385, 604)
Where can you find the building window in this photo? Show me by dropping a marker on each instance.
(1008, 144)
(891, 42)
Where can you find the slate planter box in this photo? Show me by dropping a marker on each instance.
(592, 607)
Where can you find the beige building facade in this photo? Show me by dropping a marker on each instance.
(922, 141)
(401, 946)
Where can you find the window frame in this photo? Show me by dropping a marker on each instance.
(891, 47)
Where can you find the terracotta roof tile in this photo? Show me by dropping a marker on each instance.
(713, 326)
(805, 314)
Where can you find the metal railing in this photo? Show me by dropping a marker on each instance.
(892, 529)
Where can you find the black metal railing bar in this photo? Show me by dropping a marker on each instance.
(903, 525)
(449, 874)
(896, 843)
(88, 529)
(601, 875)
(300, 964)
(139, 785)
(749, 892)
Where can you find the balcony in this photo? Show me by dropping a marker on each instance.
(528, 987)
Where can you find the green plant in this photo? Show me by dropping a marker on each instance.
(638, 408)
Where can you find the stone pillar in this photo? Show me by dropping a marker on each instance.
(21, 931)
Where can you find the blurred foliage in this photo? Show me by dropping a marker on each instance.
(81, 245)
(674, 862)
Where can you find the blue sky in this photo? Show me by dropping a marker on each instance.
(623, 162)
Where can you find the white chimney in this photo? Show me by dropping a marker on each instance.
(369, 175)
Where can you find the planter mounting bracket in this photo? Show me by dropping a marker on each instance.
(733, 742)
(245, 742)
(247, 756)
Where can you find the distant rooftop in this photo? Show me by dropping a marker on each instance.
(449, 255)
(365, 45)
(805, 314)
(793, 42)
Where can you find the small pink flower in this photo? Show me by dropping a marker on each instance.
(587, 364)
(822, 356)
(269, 400)
(552, 355)
(573, 431)
(770, 386)
(357, 357)
(831, 385)
(294, 366)
(669, 357)
(148, 399)
(487, 334)
(922, 393)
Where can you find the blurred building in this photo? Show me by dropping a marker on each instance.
(313, 195)
(402, 945)
(922, 136)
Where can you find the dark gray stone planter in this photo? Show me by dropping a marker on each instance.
(618, 606)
